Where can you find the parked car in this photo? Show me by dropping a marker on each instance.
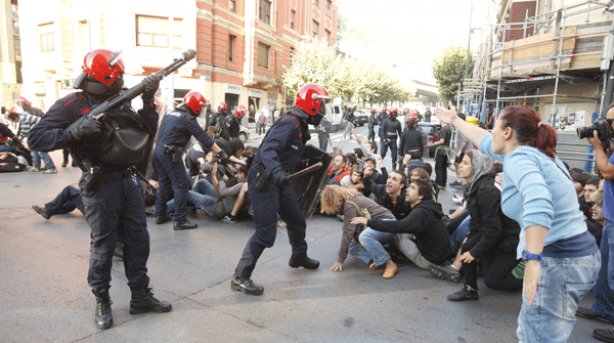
(243, 134)
(360, 118)
(429, 135)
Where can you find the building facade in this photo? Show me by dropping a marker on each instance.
(243, 46)
(10, 54)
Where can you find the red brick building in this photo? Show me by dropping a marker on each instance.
(243, 47)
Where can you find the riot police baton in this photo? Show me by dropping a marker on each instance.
(307, 170)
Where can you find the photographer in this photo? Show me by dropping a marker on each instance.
(603, 308)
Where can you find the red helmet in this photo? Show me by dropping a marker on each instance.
(240, 111)
(103, 65)
(222, 107)
(195, 102)
(373, 109)
(310, 97)
(394, 111)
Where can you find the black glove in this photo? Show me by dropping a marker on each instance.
(151, 86)
(222, 157)
(83, 128)
(280, 179)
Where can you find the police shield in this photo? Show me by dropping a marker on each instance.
(309, 178)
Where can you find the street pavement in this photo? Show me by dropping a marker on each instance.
(44, 295)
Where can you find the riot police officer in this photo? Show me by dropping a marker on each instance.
(230, 126)
(175, 131)
(271, 192)
(389, 132)
(111, 194)
(372, 123)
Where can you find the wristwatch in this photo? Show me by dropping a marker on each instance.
(527, 256)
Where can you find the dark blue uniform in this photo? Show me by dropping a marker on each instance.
(389, 131)
(115, 209)
(175, 131)
(280, 150)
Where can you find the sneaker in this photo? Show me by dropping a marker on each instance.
(444, 273)
(391, 270)
(585, 312)
(50, 171)
(229, 218)
(34, 169)
(467, 293)
(246, 286)
(41, 211)
(604, 335)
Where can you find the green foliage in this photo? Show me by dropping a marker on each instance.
(343, 76)
(449, 71)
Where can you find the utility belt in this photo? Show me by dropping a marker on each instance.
(391, 135)
(176, 152)
(93, 176)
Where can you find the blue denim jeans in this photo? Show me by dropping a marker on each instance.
(604, 288)
(373, 242)
(563, 284)
(456, 240)
(36, 159)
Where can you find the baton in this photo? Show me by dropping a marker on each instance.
(306, 170)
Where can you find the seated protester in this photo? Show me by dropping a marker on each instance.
(493, 237)
(413, 160)
(337, 170)
(579, 181)
(591, 188)
(392, 195)
(234, 149)
(597, 218)
(368, 148)
(205, 168)
(360, 157)
(370, 175)
(349, 202)
(354, 180)
(26, 122)
(67, 201)
(421, 236)
(351, 160)
(417, 173)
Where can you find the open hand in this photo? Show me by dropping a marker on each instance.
(467, 257)
(336, 267)
(359, 221)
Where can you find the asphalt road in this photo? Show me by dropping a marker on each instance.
(44, 295)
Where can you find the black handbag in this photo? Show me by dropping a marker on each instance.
(123, 140)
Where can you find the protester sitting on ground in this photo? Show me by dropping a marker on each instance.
(26, 122)
(337, 169)
(349, 202)
(579, 180)
(417, 173)
(354, 180)
(422, 235)
(591, 187)
(392, 195)
(492, 238)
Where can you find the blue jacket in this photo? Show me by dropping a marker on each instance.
(178, 126)
(283, 145)
(48, 134)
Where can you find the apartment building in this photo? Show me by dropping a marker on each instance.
(243, 46)
(10, 53)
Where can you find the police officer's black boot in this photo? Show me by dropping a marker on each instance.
(184, 225)
(305, 262)
(143, 301)
(103, 315)
(246, 286)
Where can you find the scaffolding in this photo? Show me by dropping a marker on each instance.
(571, 45)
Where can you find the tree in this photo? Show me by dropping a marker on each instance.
(449, 71)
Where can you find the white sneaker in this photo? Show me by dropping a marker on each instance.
(50, 171)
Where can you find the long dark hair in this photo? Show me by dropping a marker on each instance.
(529, 129)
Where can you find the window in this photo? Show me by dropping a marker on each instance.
(232, 5)
(153, 31)
(327, 36)
(291, 55)
(292, 18)
(265, 11)
(47, 37)
(329, 5)
(231, 45)
(263, 55)
(315, 27)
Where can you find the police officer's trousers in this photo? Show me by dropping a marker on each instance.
(172, 177)
(267, 204)
(116, 210)
(392, 144)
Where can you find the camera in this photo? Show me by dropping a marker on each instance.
(603, 128)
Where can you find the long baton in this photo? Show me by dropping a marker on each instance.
(307, 170)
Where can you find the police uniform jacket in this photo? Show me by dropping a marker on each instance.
(178, 126)
(283, 145)
(49, 133)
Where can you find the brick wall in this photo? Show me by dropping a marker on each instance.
(516, 15)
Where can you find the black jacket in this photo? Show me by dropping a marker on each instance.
(496, 231)
(400, 209)
(411, 139)
(425, 223)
